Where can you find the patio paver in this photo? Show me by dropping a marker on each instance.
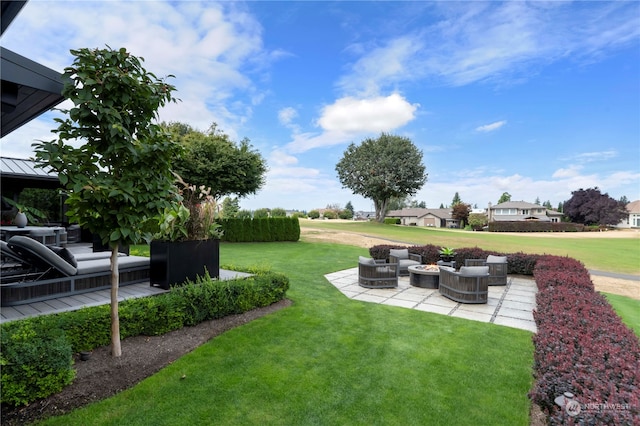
(511, 305)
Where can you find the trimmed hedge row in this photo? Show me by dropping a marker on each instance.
(534, 226)
(260, 230)
(37, 352)
(582, 347)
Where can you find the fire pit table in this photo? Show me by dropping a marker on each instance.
(425, 276)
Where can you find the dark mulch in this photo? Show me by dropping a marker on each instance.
(103, 376)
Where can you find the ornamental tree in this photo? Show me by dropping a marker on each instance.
(383, 168)
(212, 159)
(119, 179)
(590, 207)
(461, 211)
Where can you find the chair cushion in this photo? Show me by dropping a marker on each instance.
(446, 268)
(399, 253)
(496, 259)
(366, 260)
(64, 253)
(405, 263)
(474, 271)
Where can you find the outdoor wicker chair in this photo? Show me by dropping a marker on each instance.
(469, 285)
(404, 259)
(498, 267)
(374, 273)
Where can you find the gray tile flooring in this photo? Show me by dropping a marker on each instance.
(511, 305)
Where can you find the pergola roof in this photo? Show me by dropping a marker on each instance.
(17, 173)
(28, 88)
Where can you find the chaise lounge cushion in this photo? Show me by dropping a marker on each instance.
(103, 265)
(6, 252)
(40, 255)
(64, 253)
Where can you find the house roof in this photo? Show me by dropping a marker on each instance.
(28, 88)
(516, 205)
(17, 173)
(634, 207)
(419, 212)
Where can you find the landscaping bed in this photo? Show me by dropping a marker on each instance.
(103, 376)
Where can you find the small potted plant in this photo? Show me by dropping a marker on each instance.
(188, 241)
(447, 254)
(25, 214)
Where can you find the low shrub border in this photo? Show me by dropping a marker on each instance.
(36, 353)
(582, 346)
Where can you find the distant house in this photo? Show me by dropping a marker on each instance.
(436, 218)
(362, 215)
(521, 211)
(633, 220)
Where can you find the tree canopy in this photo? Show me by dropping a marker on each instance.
(383, 168)
(461, 211)
(504, 198)
(591, 207)
(212, 159)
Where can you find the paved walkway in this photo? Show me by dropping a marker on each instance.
(509, 305)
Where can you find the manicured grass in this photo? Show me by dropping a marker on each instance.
(331, 360)
(620, 255)
(628, 309)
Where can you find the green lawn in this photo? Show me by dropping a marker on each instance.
(329, 360)
(627, 309)
(620, 255)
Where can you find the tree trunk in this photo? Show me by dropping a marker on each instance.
(381, 209)
(116, 350)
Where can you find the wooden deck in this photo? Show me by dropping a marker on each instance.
(94, 298)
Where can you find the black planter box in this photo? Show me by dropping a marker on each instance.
(173, 262)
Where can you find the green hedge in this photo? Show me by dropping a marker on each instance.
(391, 221)
(36, 362)
(36, 355)
(534, 226)
(260, 230)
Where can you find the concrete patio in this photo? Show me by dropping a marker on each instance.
(511, 305)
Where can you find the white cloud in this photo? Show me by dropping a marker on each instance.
(349, 118)
(381, 66)
(588, 157)
(569, 172)
(215, 50)
(281, 158)
(377, 114)
(491, 127)
(286, 115)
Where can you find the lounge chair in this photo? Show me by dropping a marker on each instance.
(469, 285)
(374, 273)
(404, 259)
(498, 267)
(50, 274)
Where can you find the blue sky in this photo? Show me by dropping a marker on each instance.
(536, 99)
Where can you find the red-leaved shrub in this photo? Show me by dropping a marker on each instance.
(582, 347)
